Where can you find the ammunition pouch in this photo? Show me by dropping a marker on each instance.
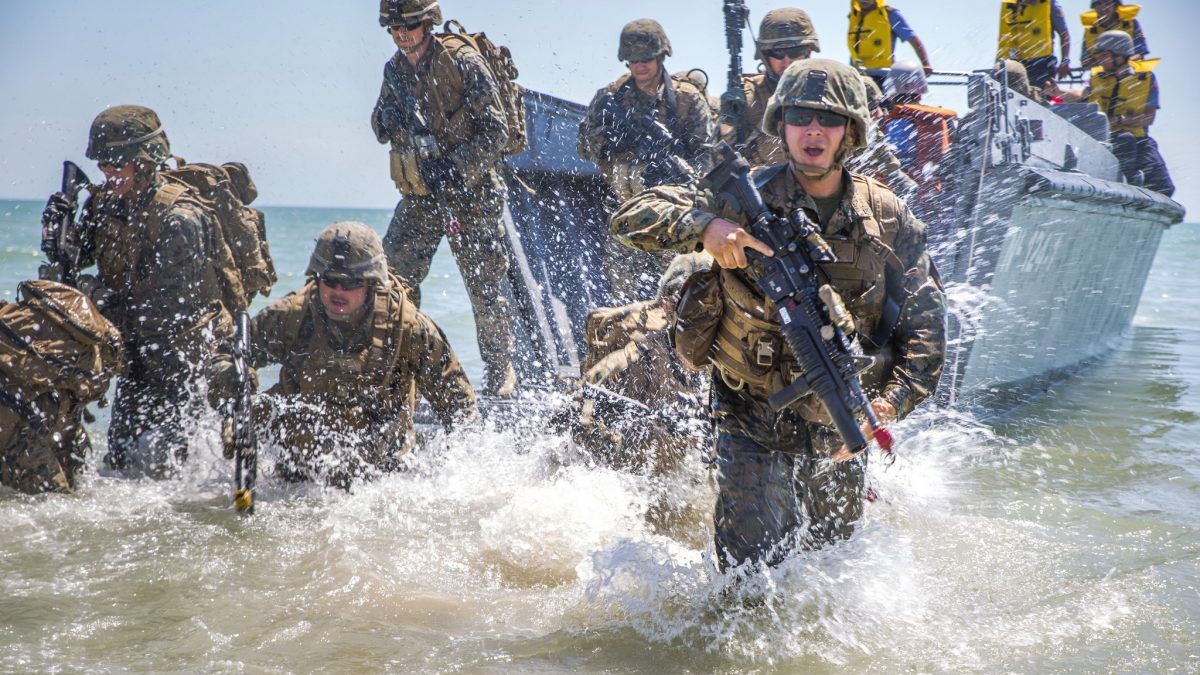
(697, 317)
(406, 173)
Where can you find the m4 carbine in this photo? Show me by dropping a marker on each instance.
(245, 440)
(647, 139)
(733, 101)
(811, 317)
(61, 236)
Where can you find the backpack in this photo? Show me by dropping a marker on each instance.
(225, 191)
(53, 339)
(500, 62)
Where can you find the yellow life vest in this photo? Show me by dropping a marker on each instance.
(870, 36)
(1025, 30)
(1092, 29)
(1126, 95)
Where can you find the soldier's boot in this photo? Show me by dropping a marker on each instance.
(499, 381)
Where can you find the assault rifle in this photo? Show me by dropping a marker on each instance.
(733, 101)
(245, 441)
(649, 140)
(60, 234)
(810, 317)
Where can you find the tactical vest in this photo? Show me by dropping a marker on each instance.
(1092, 29)
(870, 37)
(1126, 95)
(120, 242)
(356, 391)
(1025, 30)
(749, 351)
(500, 62)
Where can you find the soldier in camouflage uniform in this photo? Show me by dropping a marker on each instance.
(456, 190)
(160, 279)
(675, 102)
(785, 35)
(629, 353)
(354, 352)
(782, 480)
(878, 160)
(57, 355)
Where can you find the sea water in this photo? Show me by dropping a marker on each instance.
(1062, 537)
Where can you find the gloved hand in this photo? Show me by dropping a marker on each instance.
(439, 172)
(57, 207)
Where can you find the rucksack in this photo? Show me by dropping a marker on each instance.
(246, 267)
(500, 62)
(54, 339)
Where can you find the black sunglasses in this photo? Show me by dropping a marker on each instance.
(802, 117)
(343, 283)
(406, 26)
(789, 52)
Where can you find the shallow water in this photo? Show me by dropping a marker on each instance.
(1063, 537)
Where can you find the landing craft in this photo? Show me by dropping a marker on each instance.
(1046, 252)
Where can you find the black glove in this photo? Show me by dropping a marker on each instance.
(57, 207)
(439, 172)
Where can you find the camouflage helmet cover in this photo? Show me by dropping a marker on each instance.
(400, 12)
(821, 84)
(1117, 42)
(349, 250)
(786, 27)
(1016, 74)
(124, 133)
(643, 40)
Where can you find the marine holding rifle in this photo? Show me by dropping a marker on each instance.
(441, 111)
(355, 351)
(783, 479)
(647, 128)
(165, 274)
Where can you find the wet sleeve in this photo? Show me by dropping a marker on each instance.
(666, 218)
(169, 298)
(900, 28)
(591, 140)
(920, 336)
(270, 333)
(378, 125)
(701, 130)
(1139, 39)
(489, 129)
(1058, 20)
(439, 375)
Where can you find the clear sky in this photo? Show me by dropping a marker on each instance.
(287, 86)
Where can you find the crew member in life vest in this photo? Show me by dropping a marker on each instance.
(1106, 15)
(1127, 92)
(872, 35)
(919, 133)
(354, 352)
(1027, 30)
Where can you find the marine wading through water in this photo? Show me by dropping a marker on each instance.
(821, 320)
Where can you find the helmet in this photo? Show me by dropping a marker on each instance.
(643, 40)
(350, 250)
(874, 93)
(398, 12)
(821, 84)
(907, 77)
(680, 270)
(1018, 77)
(786, 27)
(1117, 42)
(124, 133)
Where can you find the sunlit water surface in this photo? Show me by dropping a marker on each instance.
(1063, 537)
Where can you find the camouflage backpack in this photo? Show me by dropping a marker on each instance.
(500, 62)
(246, 268)
(53, 339)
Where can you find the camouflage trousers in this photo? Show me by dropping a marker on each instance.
(40, 461)
(777, 489)
(413, 236)
(633, 274)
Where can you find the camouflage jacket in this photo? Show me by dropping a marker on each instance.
(760, 149)
(690, 121)
(879, 162)
(157, 269)
(460, 101)
(674, 217)
(630, 353)
(371, 368)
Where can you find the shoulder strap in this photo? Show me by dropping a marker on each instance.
(767, 174)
